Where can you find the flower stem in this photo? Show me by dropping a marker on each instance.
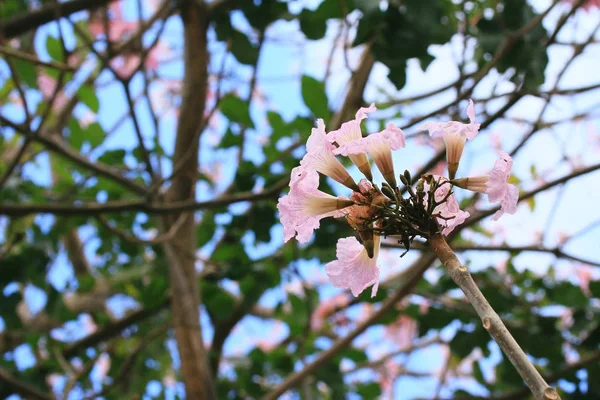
(491, 321)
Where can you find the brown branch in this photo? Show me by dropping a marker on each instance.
(405, 288)
(7, 51)
(127, 365)
(160, 238)
(91, 209)
(195, 371)
(31, 20)
(16, 386)
(556, 251)
(59, 146)
(354, 96)
(112, 329)
(491, 321)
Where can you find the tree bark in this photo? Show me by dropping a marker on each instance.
(180, 250)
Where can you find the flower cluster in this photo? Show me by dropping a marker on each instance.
(375, 212)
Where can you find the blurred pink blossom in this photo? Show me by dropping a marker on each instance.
(588, 5)
(125, 65)
(403, 331)
(118, 27)
(563, 237)
(47, 86)
(584, 274)
(326, 308)
(102, 366)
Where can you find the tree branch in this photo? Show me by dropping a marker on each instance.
(31, 20)
(21, 388)
(556, 251)
(491, 321)
(91, 209)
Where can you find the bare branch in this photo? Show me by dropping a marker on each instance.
(491, 321)
(22, 388)
(31, 20)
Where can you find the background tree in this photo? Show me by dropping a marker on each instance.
(145, 143)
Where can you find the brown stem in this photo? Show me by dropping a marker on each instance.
(491, 321)
(183, 281)
(31, 20)
(16, 386)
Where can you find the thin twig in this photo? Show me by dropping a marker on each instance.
(491, 321)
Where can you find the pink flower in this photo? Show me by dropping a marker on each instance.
(47, 86)
(584, 274)
(118, 27)
(125, 65)
(449, 210)
(588, 5)
(157, 55)
(353, 268)
(326, 308)
(319, 156)
(403, 331)
(455, 135)
(449, 214)
(351, 131)
(498, 188)
(379, 146)
(305, 205)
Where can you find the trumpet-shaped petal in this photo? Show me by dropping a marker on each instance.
(473, 183)
(350, 131)
(468, 131)
(319, 156)
(498, 188)
(302, 209)
(379, 146)
(354, 269)
(455, 135)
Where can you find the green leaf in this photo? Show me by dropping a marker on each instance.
(94, 134)
(26, 71)
(262, 15)
(369, 390)
(76, 135)
(219, 303)
(262, 218)
(595, 288)
(312, 25)
(246, 176)
(116, 157)
(230, 139)
(278, 125)
(205, 230)
(298, 318)
(567, 294)
(87, 95)
(243, 50)
(236, 110)
(315, 98)
(54, 48)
